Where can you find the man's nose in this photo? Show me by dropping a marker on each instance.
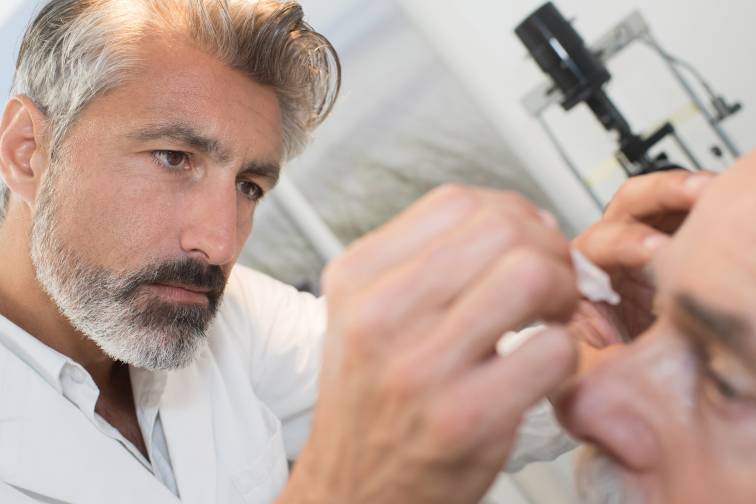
(211, 223)
(630, 397)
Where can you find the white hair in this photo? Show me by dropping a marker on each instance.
(599, 479)
(76, 50)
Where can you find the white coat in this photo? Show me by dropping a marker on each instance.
(231, 419)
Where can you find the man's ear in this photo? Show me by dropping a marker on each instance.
(23, 148)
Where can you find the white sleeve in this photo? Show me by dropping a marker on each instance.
(540, 438)
(286, 357)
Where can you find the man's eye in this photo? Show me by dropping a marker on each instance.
(250, 189)
(724, 388)
(173, 160)
(726, 377)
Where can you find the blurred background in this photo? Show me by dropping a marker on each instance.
(433, 92)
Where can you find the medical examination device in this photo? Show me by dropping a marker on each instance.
(578, 74)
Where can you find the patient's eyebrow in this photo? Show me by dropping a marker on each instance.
(729, 329)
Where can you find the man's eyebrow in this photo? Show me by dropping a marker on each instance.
(185, 134)
(729, 329)
(189, 136)
(270, 171)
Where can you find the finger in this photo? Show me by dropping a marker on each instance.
(434, 278)
(656, 194)
(591, 324)
(491, 399)
(613, 244)
(524, 286)
(442, 211)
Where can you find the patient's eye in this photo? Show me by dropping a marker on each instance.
(725, 388)
(727, 380)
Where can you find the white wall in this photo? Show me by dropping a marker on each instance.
(476, 38)
(14, 17)
(7, 8)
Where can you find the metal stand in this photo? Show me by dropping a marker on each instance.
(686, 151)
(568, 161)
(718, 130)
(633, 28)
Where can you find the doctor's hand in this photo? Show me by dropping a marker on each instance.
(415, 406)
(640, 219)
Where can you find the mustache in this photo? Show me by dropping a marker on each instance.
(190, 272)
(599, 479)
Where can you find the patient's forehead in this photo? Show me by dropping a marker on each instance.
(727, 210)
(713, 256)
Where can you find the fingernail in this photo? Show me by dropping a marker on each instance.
(655, 241)
(548, 219)
(695, 183)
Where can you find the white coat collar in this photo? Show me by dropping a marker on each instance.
(187, 422)
(48, 363)
(50, 449)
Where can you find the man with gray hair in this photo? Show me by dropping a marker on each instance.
(140, 137)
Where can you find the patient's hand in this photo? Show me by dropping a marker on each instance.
(641, 217)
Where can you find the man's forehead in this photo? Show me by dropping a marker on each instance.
(711, 259)
(179, 84)
(178, 74)
(722, 221)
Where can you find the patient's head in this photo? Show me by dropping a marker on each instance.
(673, 415)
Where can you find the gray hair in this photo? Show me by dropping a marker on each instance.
(77, 50)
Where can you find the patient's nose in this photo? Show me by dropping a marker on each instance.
(627, 401)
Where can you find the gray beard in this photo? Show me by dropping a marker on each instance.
(599, 479)
(108, 307)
